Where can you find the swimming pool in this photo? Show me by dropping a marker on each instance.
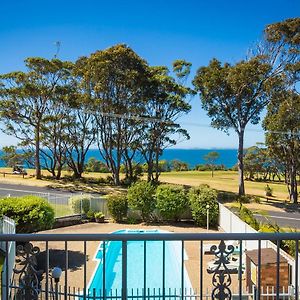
(135, 267)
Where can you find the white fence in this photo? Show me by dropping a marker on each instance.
(61, 204)
(7, 226)
(230, 222)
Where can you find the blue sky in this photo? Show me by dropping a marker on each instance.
(159, 31)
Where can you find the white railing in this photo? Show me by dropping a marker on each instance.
(8, 226)
(61, 204)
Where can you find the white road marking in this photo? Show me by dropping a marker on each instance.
(34, 192)
(278, 217)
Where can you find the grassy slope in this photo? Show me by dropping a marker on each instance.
(223, 180)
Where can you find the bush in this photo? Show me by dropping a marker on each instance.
(227, 196)
(90, 215)
(99, 216)
(117, 207)
(199, 198)
(30, 213)
(244, 199)
(247, 216)
(141, 197)
(171, 201)
(268, 190)
(80, 203)
(256, 199)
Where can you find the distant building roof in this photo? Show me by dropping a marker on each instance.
(268, 256)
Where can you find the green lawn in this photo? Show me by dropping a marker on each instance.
(223, 180)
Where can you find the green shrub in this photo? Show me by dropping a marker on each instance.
(199, 198)
(80, 203)
(90, 215)
(117, 207)
(247, 216)
(30, 213)
(99, 217)
(141, 197)
(227, 196)
(244, 199)
(171, 201)
(256, 199)
(268, 190)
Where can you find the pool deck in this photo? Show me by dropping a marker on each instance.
(76, 257)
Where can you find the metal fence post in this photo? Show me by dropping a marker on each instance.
(124, 270)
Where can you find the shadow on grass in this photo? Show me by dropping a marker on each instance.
(57, 258)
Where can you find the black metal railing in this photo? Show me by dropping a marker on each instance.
(230, 273)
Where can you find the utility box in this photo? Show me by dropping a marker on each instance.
(268, 271)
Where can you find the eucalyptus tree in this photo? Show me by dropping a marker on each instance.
(117, 80)
(11, 157)
(55, 139)
(282, 123)
(26, 98)
(80, 128)
(211, 159)
(234, 96)
(166, 103)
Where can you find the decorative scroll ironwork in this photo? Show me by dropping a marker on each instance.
(221, 273)
(29, 278)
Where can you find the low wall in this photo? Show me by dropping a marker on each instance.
(229, 222)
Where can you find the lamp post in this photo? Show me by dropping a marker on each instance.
(56, 273)
(207, 217)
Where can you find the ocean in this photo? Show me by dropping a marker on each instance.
(228, 157)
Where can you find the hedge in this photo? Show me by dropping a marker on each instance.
(140, 197)
(80, 203)
(171, 201)
(31, 213)
(117, 207)
(199, 198)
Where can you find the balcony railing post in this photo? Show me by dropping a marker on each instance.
(182, 269)
(278, 270)
(297, 269)
(6, 270)
(241, 270)
(124, 270)
(104, 267)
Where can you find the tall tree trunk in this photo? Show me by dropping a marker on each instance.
(38, 173)
(241, 162)
(58, 174)
(293, 183)
(157, 171)
(117, 177)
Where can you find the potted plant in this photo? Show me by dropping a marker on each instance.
(90, 215)
(99, 216)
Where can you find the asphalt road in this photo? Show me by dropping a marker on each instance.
(283, 219)
(21, 190)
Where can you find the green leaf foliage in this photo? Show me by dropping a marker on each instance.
(247, 216)
(141, 197)
(117, 207)
(30, 213)
(172, 201)
(199, 198)
(80, 203)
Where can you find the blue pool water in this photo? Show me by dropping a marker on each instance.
(135, 266)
